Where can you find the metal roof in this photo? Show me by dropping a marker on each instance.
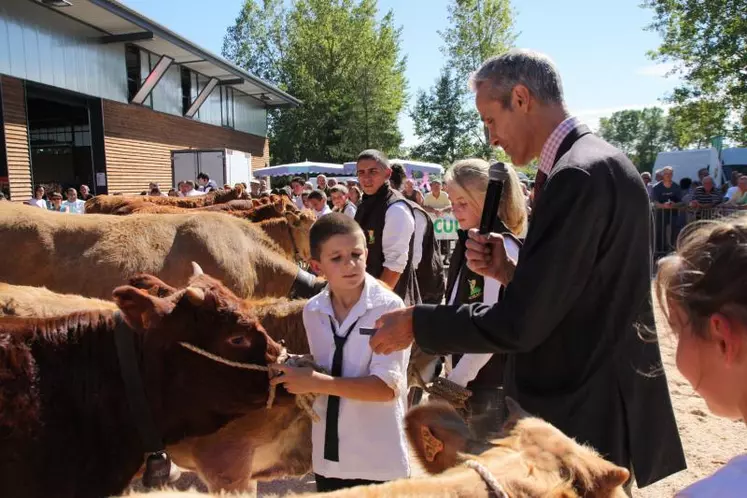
(113, 18)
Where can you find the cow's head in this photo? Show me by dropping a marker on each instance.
(534, 459)
(199, 394)
(300, 226)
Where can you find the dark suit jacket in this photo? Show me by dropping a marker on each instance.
(575, 314)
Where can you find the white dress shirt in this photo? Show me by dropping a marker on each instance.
(417, 248)
(371, 434)
(399, 225)
(298, 201)
(325, 210)
(350, 209)
(470, 364)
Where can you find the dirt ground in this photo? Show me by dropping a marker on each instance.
(709, 441)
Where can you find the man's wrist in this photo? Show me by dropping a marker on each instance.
(507, 273)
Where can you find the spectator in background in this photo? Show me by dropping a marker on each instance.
(739, 197)
(226, 187)
(55, 202)
(173, 193)
(733, 184)
(2, 197)
(38, 199)
(85, 193)
(657, 176)
(667, 198)
(321, 184)
(205, 184)
(354, 195)
(189, 189)
(73, 204)
(686, 186)
(351, 183)
(646, 177)
(305, 199)
(437, 202)
(318, 202)
(297, 190)
(332, 182)
(341, 202)
(308, 187)
(263, 186)
(255, 185)
(411, 193)
(706, 196)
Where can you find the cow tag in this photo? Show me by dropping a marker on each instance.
(432, 446)
(157, 470)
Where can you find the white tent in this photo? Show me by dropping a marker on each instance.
(303, 168)
(409, 165)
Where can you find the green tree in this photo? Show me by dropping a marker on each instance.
(694, 123)
(641, 134)
(343, 64)
(478, 30)
(442, 121)
(707, 41)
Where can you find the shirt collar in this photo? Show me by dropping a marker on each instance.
(372, 296)
(553, 142)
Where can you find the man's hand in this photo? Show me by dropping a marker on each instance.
(394, 332)
(486, 256)
(297, 380)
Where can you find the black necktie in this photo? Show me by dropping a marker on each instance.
(331, 437)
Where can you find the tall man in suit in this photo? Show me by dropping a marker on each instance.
(577, 306)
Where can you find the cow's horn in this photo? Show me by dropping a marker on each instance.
(196, 270)
(196, 296)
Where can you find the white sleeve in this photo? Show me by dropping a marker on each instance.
(417, 250)
(399, 226)
(350, 210)
(392, 368)
(470, 364)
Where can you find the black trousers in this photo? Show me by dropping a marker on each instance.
(325, 484)
(487, 412)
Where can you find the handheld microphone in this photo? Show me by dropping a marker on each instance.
(497, 175)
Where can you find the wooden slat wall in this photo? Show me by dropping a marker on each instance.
(16, 138)
(139, 142)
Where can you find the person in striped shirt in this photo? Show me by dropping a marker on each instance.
(706, 196)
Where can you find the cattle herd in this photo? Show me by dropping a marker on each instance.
(220, 273)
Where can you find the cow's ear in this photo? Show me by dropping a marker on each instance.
(293, 219)
(152, 285)
(437, 434)
(139, 309)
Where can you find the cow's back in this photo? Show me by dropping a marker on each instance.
(90, 254)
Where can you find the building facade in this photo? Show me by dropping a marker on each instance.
(94, 93)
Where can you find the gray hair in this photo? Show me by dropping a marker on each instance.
(376, 156)
(520, 67)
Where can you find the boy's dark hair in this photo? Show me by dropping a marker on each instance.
(203, 176)
(339, 188)
(375, 155)
(686, 183)
(318, 195)
(327, 227)
(298, 180)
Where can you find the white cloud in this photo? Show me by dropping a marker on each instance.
(655, 70)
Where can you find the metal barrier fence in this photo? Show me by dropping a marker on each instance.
(668, 223)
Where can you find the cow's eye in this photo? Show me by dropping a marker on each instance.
(239, 341)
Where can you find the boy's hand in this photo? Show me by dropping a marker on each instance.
(297, 380)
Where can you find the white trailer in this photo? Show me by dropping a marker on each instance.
(223, 166)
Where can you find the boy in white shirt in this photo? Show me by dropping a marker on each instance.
(318, 202)
(340, 201)
(360, 438)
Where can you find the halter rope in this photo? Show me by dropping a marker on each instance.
(303, 401)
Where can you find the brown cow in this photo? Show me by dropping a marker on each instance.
(103, 204)
(65, 422)
(291, 233)
(92, 254)
(534, 460)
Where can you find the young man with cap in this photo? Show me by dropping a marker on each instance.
(389, 225)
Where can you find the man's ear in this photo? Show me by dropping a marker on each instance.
(139, 309)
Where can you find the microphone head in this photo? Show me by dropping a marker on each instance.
(498, 172)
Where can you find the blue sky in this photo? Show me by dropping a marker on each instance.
(599, 46)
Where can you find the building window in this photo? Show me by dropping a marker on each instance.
(186, 89)
(226, 107)
(132, 59)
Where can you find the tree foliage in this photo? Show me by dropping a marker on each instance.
(445, 118)
(707, 42)
(641, 134)
(443, 123)
(333, 55)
